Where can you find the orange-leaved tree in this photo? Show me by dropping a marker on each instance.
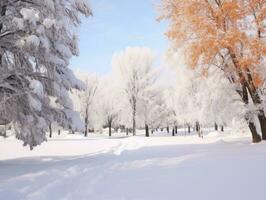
(228, 34)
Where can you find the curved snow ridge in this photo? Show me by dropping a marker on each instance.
(126, 144)
(159, 162)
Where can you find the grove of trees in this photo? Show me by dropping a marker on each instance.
(133, 96)
(228, 35)
(217, 56)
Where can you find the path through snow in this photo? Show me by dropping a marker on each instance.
(138, 168)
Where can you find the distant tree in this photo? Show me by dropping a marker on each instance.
(133, 71)
(108, 104)
(150, 100)
(203, 99)
(84, 100)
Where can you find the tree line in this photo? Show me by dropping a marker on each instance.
(217, 56)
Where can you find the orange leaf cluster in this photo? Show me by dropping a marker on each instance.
(205, 28)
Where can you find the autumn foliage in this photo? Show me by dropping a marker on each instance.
(228, 34)
(219, 32)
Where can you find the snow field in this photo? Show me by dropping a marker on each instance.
(134, 168)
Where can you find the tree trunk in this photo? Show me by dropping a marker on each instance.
(86, 122)
(147, 130)
(262, 120)
(134, 126)
(222, 128)
(134, 117)
(167, 128)
(175, 129)
(198, 128)
(254, 93)
(127, 131)
(215, 126)
(50, 130)
(59, 132)
(4, 134)
(173, 132)
(247, 85)
(255, 136)
(110, 128)
(188, 128)
(86, 130)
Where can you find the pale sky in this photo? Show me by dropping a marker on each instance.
(115, 25)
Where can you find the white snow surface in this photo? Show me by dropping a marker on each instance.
(219, 166)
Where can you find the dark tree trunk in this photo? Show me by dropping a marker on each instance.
(59, 132)
(215, 126)
(5, 135)
(222, 128)
(255, 136)
(110, 128)
(247, 85)
(134, 116)
(253, 91)
(134, 127)
(147, 130)
(167, 128)
(50, 130)
(262, 120)
(127, 131)
(86, 127)
(198, 129)
(188, 128)
(161, 129)
(86, 122)
(4, 132)
(173, 132)
(175, 129)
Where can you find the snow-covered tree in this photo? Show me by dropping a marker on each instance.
(108, 103)
(169, 98)
(157, 115)
(135, 76)
(229, 35)
(37, 40)
(151, 106)
(202, 99)
(84, 100)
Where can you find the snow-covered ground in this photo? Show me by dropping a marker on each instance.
(134, 168)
